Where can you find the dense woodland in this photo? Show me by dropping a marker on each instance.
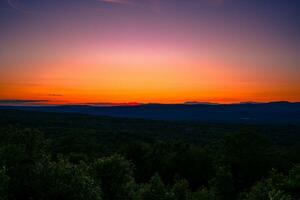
(70, 156)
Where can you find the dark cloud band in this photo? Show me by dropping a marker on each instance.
(21, 101)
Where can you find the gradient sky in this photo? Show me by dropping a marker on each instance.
(166, 51)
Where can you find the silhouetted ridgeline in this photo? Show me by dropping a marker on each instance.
(275, 112)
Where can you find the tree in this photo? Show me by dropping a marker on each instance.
(223, 184)
(154, 190)
(203, 194)
(196, 159)
(114, 175)
(4, 181)
(292, 185)
(181, 190)
(247, 155)
(20, 151)
(63, 180)
(32, 175)
(269, 189)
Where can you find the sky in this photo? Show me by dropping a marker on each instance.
(149, 51)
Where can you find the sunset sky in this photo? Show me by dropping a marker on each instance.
(163, 51)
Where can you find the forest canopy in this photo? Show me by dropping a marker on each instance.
(75, 158)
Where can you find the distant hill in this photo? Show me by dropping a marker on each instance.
(274, 112)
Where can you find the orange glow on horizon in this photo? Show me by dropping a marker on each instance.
(151, 79)
(94, 52)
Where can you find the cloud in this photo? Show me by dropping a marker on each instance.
(21, 101)
(55, 95)
(108, 104)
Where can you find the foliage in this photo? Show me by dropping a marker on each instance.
(58, 156)
(181, 190)
(4, 181)
(204, 194)
(63, 180)
(245, 152)
(275, 187)
(154, 190)
(223, 185)
(114, 175)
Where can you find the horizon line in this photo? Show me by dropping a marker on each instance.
(15, 102)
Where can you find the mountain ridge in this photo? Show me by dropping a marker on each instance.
(272, 112)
